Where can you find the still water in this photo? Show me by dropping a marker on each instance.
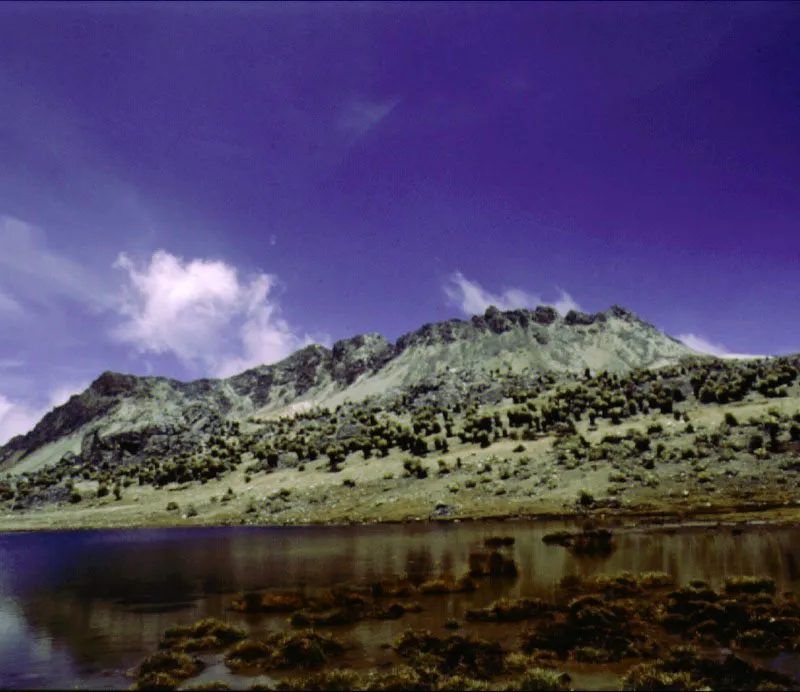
(78, 608)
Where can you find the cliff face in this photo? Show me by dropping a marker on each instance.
(123, 417)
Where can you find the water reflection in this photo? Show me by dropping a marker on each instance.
(75, 603)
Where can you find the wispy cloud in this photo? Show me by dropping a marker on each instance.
(702, 345)
(359, 116)
(472, 299)
(203, 313)
(9, 306)
(32, 272)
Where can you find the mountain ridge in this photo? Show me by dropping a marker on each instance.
(117, 405)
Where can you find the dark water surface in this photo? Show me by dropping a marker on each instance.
(81, 607)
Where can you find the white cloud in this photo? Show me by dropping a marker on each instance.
(9, 363)
(702, 345)
(473, 299)
(62, 394)
(18, 417)
(200, 311)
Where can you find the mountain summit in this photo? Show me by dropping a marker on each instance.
(121, 416)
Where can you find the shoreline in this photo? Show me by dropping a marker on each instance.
(769, 514)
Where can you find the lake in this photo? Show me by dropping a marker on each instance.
(79, 608)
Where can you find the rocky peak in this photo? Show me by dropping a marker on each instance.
(574, 317)
(351, 358)
(114, 384)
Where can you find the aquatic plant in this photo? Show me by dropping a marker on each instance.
(208, 633)
(510, 610)
(446, 584)
(685, 669)
(254, 602)
(166, 670)
(325, 681)
(590, 623)
(540, 680)
(306, 649)
(651, 676)
(749, 584)
(337, 616)
(156, 682)
(401, 588)
(453, 654)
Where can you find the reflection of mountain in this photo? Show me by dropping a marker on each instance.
(104, 598)
(34, 560)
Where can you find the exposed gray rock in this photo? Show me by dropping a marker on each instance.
(288, 460)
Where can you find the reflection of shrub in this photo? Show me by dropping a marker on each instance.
(491, 564)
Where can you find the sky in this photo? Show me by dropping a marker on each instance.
(192, 189)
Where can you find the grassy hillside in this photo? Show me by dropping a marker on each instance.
(700, 436)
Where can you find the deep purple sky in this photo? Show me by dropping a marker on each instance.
(277, 173)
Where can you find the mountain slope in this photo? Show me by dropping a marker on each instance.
(125, 417)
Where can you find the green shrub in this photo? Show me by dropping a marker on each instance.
(755, 442)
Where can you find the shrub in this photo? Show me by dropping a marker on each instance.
(75, 497)
(730, 419)
(756, 442)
